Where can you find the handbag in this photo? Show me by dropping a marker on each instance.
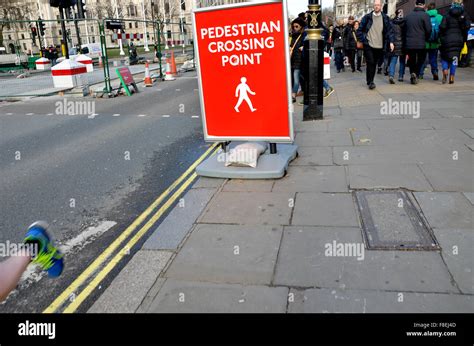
(359, 45)
(464, 49)
(294, 44)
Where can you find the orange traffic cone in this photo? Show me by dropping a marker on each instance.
(147, 79)
(174, 72)
(168, 74)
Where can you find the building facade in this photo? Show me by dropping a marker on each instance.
(175, 16)
(357, 8)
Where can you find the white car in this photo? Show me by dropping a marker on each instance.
(92, 50)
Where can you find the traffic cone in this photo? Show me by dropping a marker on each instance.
(174, 72)
(168, 74)
(147, 79)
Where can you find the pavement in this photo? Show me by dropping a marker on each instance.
(298, 244)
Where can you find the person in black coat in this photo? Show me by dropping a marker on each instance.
(296, 48)
(338, 45)
(417, 32)
(453, 34)
(398, 53)
(349, 40)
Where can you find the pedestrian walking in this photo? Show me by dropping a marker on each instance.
(350, 40)
(398, 54)
(328, 45)
(296, 48)
(453, 32)
(375, 32)
(359, 47)
(417, 32)
(433, 43)
(466, 59)
(338, 44)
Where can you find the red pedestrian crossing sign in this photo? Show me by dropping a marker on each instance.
(244, 71)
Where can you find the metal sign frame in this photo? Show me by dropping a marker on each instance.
(207, 137)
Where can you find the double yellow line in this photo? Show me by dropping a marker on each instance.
(69, 293)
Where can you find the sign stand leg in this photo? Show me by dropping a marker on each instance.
(273, 148)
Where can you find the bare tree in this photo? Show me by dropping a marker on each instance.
(11, 11)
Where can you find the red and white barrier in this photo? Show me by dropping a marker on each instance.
(127, 36)
(327, 64)
(67, 74)
(85, 60)
(43, 64)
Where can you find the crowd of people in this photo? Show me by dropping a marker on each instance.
(420, 39)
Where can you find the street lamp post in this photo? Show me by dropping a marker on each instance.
(144, 27)
(313, 64)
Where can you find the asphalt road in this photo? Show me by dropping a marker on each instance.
(78, 171)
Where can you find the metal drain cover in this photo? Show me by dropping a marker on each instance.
(391, 221)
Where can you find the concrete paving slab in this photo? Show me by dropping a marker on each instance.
(228, 254)
(128, 289)
(310, 257)
(469, 132)
(402, 154)
(250, 208)
(317, 179)
(450, 177)
(469, 196)
(323, 139)
(413, 124)
(324, 209)
(341, 125)
(198, 297)
(451, 138)
(234, 185)
(457, 245)
(461, 123)
(171, 232)
(312, 126)
(368, 301)
(313, 156)
(393, 176)
(205, 183)
(446, 209)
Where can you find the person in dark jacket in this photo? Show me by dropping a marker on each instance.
(296, 48)
(349, 39)
(359, 51)
(375, 31)
(338, 45)
(328, 44)
(417, 32)
(453, 32)
(398, 54)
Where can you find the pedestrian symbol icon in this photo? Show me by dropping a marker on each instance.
(242, 92)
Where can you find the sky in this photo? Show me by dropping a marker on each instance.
(298, 6)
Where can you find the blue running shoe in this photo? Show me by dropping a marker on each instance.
(48, 257)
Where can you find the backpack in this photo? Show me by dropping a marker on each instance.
(434, 37)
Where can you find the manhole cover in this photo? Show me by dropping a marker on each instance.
(391, 221)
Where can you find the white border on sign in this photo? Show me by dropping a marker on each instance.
(208, 138)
